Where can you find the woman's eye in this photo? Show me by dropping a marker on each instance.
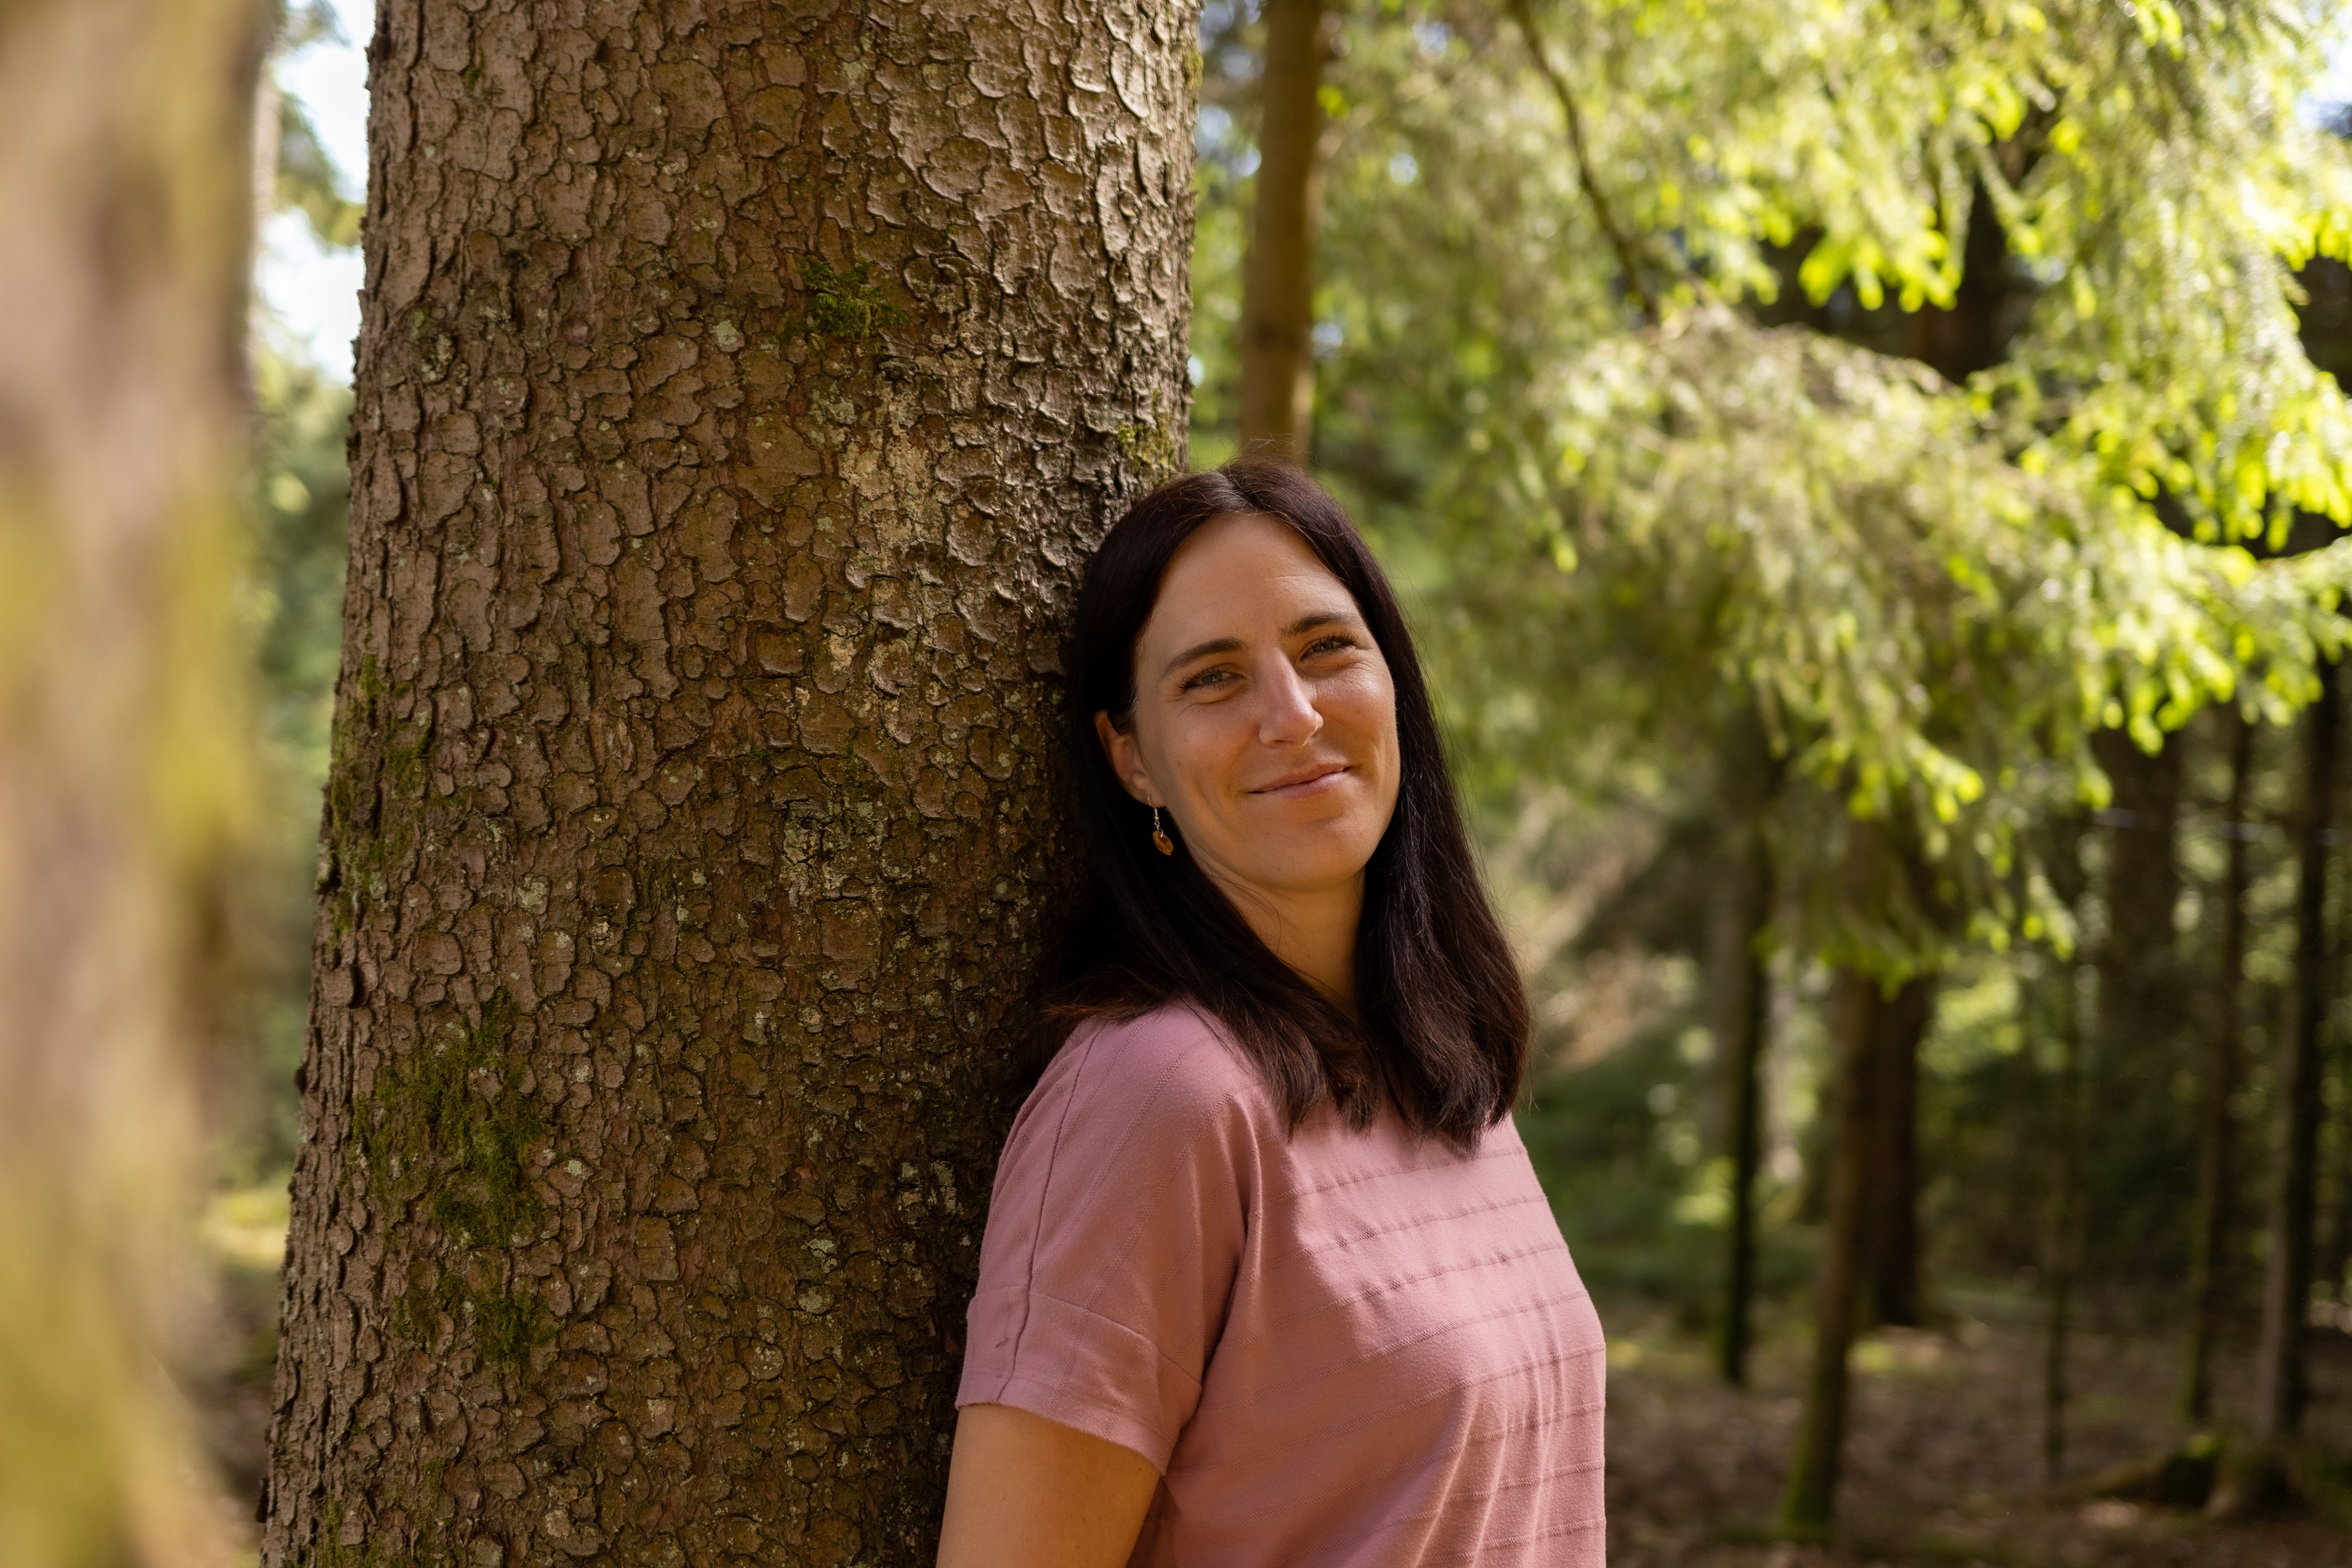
(1207, 678)
(1329, 645)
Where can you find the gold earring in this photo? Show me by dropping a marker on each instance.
(1160, 839)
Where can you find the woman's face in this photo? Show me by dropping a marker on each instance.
(1264, 718)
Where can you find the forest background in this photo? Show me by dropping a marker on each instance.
(2084, 944)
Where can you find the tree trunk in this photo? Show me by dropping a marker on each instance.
(2139, 1169)
(2280, 1388)
(125, 171)
(2062, 1246)
(1892, 1186)
(1974, 333)
(2331, 1226)
(1739, 1008)
(1809, 1509)
(2216, 1165)
(1278, 283)
(2332, 1200)
(738, 390)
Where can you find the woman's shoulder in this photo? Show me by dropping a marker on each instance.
(1174, 1060)
(1163, 1091)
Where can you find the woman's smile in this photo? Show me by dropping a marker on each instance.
(1306, 782)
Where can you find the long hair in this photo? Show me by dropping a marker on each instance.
(1442, 1018)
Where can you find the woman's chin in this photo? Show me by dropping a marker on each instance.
(1311, 876)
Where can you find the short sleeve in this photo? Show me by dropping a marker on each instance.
(1115, 1231)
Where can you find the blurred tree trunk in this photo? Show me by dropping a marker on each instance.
(125, 151)
(2280, 1381)
(2137, 965)
(1892, 1186)
(2216, 1153)
(2332, 1226)
(2145, 1140)
(2062, 1221)
(2057, 1000)
(738, 390)
(1857, 1002)
(1973, 332)
(1855, 1005)
(1739, 1007)
(1277, 409)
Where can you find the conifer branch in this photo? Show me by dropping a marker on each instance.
(1586, 176)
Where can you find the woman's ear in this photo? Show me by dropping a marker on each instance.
(1126, 760)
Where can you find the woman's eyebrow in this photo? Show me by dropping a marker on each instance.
(1320, 618)
(1203, 650)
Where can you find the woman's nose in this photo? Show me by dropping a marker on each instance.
(1290, 715)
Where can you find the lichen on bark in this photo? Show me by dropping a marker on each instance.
(740, 388)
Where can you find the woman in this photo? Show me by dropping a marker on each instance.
(1267, 1279)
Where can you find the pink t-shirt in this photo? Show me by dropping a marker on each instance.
(1337, 1347)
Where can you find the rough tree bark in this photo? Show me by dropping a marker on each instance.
(2216, 1163)
(739, 388)
(1278, 410)
(1739, 1007)
(1891, 1189)
(125, 173)
(2279, 1380)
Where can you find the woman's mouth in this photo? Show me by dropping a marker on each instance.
(1308, 780)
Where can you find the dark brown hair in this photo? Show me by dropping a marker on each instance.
(1441, 1025)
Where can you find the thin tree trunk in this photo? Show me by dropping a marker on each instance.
(2332, 1222)
(2279, 1386)
(738, 390)
(2332, 1225)
(1278, 283)
(1973, 332)
(2216, 1165)
(2147, 1139)
(1739, 1008)
(2063, 1223)
(125, 172)
(1892, 1189)
(1809, 1509)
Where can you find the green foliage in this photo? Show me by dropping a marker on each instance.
(308, 182)
(1224, 159)
(1932, 630)
(292, 600)
(1620, 1142)
(1937, 593)
(2148, 163)
(291, 592)
(302, 499)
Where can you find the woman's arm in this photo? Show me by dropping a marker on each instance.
(1026, 1492)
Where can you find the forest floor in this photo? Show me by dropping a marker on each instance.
(1943, 1463)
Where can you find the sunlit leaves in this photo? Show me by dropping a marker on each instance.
(2151, 158)
(1933, 630)
(1941, 591)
